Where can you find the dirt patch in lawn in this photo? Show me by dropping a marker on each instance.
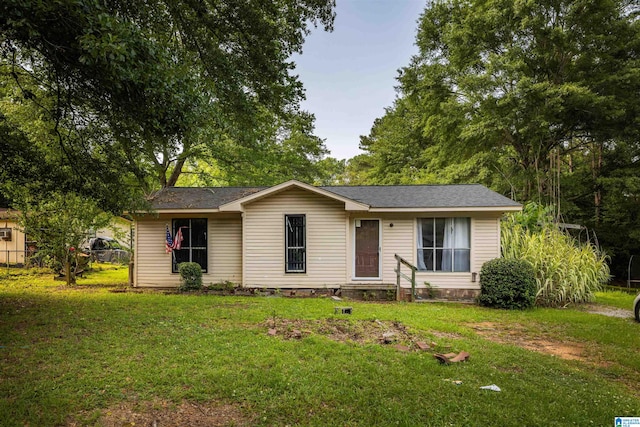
(450, 335)
(160, 413)
(567, 351)
(341, 330)
(516, 335)
(353, 331)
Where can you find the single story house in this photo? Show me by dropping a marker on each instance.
(13, 243)
(298, 236)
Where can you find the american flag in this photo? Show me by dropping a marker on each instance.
(168, 246)
(173, 244)
(177, 242)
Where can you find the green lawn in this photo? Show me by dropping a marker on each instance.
(617, 299)
(73, 356)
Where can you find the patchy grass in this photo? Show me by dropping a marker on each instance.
(86, 355)
(616, 299)
(105, 275)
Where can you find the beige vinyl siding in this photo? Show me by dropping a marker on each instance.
(153, 265)
(485, 245)
(393, 240)
(398, 239)
(225, 250)
(401, 239)
(264, 240)
(12, 251)
(445, 280)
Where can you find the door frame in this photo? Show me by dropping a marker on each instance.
(353, 250)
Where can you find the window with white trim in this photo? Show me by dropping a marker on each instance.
(444, 244)
(295, 244)
(5, 234)
(193, 247)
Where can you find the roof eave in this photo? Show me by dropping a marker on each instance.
(9, 214)
(451, 209)
(175, 211)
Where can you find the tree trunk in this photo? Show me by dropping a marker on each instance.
(596, 166)
(67, 271)
(175, 174)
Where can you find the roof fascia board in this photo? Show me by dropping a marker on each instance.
(452, 209)
(238, 205)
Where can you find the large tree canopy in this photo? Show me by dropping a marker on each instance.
(137, 85)
(538, 99)
(523, 78)
(283, 149)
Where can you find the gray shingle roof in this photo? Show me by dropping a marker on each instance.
(8, 213)
(376, 196)
(424, 196)
(199, 197)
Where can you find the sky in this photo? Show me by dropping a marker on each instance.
(349, 74)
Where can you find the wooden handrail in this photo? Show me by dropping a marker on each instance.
(399, 274)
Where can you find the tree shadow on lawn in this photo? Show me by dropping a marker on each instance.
(165, 413)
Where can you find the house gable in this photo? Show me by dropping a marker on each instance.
(239, 205)
(265, 226)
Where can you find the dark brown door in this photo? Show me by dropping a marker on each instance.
(367, 248)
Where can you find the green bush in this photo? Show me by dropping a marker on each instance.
(507, 283)
(190, 276)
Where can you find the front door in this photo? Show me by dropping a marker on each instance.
(367, 256)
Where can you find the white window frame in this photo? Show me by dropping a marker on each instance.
(5, 234)
(435, 248)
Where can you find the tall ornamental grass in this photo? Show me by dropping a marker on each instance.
(566, 270)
